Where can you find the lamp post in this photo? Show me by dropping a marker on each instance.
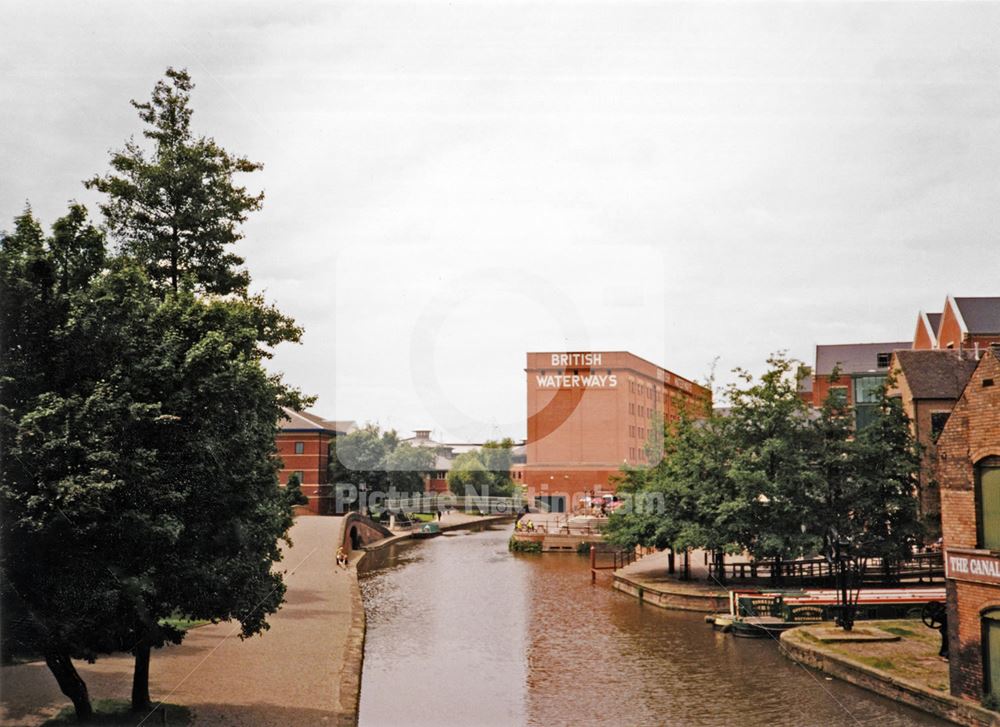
(845, 618)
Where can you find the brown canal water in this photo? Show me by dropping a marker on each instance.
(462, 632)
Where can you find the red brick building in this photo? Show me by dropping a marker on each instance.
(968, 469)
(928, 384)
(591, 412)
(303, 443)
(963, 324)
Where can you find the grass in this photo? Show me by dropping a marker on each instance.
(183, 624)
(118, 712)
(876, 662)
(423, 517)
(914, 657)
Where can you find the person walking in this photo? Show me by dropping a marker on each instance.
(341, 557)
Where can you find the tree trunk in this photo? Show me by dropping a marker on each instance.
(687, 565)
(70, 683)
(720, 566)
(140, 678)
(670, 562)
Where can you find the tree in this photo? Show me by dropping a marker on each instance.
(50, 484)
(139, 479)
(468, 475)
(138, 420)
(771, 467)
(483, 472)
(359, 458)
(177, 209)
(406, 466)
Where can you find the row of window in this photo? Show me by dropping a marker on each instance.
(643, 411)
(636, 454)
(637, 387)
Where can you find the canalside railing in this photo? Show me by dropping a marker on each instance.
(432, 502)
(603, 557)
(920, 568)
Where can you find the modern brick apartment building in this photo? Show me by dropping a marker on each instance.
(303, 443)
(968, 469)
(591, 412)
(862, 368)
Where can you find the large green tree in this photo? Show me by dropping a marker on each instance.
(177, 207)
(139, 473)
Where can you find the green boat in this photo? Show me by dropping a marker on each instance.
(427, 530)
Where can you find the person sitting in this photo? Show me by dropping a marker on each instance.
(342, 557)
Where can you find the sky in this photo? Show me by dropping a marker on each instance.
(451, 185)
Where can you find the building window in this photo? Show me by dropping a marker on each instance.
(868, 389)
(938, 420)
(882, 360)
(300, 447)
(988, 503)
(296, 473)
(991, 652)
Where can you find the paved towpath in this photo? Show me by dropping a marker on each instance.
(291, 675)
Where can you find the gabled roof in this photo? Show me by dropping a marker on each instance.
(980, 315)
(854, 358)
(935, 320)
(938, 374)
(303, 421)
(930, 322)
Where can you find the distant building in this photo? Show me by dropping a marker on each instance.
(929, 383)
(964, 324)
(435, 481)
(303, 443)
(968, 469)
(861, 371)
(591, 412)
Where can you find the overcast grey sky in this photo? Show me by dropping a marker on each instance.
(450, 185)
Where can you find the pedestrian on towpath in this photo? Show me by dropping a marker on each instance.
(341, 557)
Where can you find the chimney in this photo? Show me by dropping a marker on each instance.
(422, 433)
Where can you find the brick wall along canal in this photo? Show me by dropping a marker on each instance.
(461, 632)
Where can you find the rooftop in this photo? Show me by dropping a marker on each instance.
(936, 374)
(299, 421)
(981, 315)
(855, 358)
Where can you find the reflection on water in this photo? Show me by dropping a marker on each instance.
(461, 632)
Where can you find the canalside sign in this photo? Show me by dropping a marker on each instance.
(972, 565)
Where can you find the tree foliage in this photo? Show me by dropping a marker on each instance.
(177, 209)
(773, 479)
(485, 471)
(376, 461)
(138, 422)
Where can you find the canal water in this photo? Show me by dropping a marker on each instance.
(462, 632)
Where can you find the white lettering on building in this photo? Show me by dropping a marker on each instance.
(576, 359)
(574, 381)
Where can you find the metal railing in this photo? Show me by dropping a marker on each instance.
(921, 567)
(431, 502)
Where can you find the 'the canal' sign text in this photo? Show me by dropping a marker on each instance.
(972, 565)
